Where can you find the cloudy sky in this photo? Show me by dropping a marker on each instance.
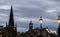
(26, 10)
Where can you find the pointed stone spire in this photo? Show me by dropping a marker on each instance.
(11, 18)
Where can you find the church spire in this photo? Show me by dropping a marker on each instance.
(11, 19)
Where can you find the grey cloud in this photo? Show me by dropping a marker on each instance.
(32, 9)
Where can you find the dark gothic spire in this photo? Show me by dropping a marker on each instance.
(11, 19)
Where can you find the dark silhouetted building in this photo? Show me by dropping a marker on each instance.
(35, 32)
(10, 30)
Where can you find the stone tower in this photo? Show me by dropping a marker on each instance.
(30, 25)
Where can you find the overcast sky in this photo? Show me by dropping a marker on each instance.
(26, 10)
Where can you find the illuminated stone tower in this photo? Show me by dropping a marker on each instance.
(58, 31)
(30, 25)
